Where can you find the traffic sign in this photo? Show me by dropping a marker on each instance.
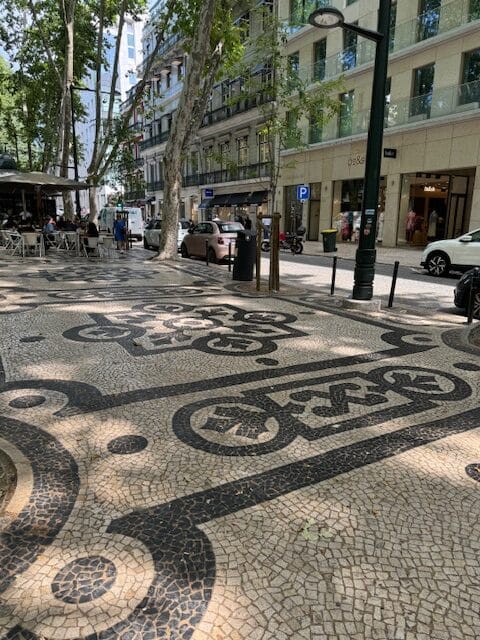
(303, 192)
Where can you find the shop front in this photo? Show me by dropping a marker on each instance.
(347, 208)
(434, 206)
(234, 206)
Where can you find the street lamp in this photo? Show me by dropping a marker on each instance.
(329, 18)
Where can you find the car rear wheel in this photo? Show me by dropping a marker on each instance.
(438, 264)
(184, 250)
(476, 305)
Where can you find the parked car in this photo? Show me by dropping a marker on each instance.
(462, 292)
(151, 235)
(218, 235)
(459, 254)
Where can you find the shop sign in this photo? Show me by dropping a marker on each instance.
(208, 193)
(389, 153)
(354, 161)
(428, 188)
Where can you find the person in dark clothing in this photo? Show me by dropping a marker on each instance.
(247, 222)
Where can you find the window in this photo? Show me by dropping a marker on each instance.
(294, 63)
(349, 53)
(474, 10)
(346, 114)
(130, 41)
(263, 148)
(224, 148)
(393, 22)
(422, 90)
(470, 88)
(242, 151)
(209, 159)
(132, 78)
(243, 24)
(319, 55)
(428, 19)
(194, 162)
(315, 130)
(292, 133)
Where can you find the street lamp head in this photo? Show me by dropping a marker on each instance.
(326, 18)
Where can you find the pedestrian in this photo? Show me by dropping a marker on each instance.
(247, 223)
(120, 232)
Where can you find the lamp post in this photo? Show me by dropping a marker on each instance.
(329, 18)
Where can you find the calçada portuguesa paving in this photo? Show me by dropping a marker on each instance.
(196, 462)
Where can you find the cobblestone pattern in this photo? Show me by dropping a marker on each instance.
(322, 487)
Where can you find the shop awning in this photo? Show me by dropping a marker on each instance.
(257, 197)
(222, 200)
(239, 198)
(205, 203)
(44, 181)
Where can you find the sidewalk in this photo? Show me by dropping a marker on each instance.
(195, 462)
(407, 256)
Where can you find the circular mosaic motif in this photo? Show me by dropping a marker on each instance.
(25, 402)
(84, 579)
(473, 470)
(125, 445)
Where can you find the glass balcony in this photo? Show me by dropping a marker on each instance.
(450, 15)
(444, 101)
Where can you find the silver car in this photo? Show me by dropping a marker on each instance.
(151, 234)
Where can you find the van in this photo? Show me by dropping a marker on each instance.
(133, 217)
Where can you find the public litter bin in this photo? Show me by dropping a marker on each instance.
(329, 237)
(245, 255)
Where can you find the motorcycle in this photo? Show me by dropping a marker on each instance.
(289, 242)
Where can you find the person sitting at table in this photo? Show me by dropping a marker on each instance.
(70, 226)
(48, 230)
(90, 232)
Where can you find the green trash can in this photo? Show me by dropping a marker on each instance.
(329, 237)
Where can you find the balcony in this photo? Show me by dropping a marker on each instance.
(155, 186)
(450, 15)
(228, 111)
(234, 174)
(138, 194)
(441, 102)
(154, 140)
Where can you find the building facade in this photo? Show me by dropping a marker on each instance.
(430, 173)
(226, 173)
(431, 163)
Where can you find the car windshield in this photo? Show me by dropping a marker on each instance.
(184, 224)
(229, 227)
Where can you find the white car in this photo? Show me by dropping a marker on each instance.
(459, 254)
(151, 235)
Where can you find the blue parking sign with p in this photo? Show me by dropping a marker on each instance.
(303, 192)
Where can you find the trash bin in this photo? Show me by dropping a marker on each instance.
(245, 255)
(329, 237)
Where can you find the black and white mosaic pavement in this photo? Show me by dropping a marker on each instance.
(197, 463)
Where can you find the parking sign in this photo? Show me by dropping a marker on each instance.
(303, 192)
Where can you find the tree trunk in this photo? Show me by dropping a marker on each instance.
(92, 201)
(183, 128)
(171, 205)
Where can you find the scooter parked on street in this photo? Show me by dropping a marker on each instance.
(288, 241)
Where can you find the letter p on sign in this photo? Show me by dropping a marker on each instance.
(303, 192)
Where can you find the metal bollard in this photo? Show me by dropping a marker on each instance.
(394, 282)
(334, 275)
(206, 253)
(230, 256)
